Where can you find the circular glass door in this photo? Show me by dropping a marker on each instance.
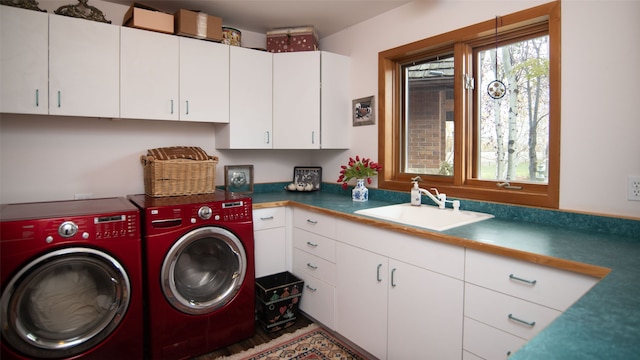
(203, 270)
(64, 303)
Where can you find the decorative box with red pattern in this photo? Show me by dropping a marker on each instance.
(292, 39)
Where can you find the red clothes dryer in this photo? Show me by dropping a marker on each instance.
(200, 277)
(71, 280)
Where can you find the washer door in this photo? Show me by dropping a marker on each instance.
(64, 303)
(203, 270)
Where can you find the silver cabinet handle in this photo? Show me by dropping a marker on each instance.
(311, 266)
(531, 282)
(171, 106)
(266, 218)
(393, 280)
(313, 137)
(313, 245)
(312, 221)
(267, 137)
(37, 97)
(58, 98)
(310, 288)
(528, 323)
(187, 111)
(378, 274)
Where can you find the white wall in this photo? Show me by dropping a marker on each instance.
(45, 158)
(50, 158)
(600, 143)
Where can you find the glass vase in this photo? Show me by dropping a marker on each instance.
(360, 192)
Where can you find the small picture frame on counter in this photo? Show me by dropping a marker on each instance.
(306, 178)
(238, 178)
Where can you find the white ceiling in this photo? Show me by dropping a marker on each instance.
(327, 16)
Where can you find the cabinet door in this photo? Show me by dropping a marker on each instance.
(250, 99)
(148, 75)
(270, 251)
(84, 68)
(296, 100)
(270, 241)
(361, 298)
(336, 113)
(204, 81)
(23, 61)
(425, 314)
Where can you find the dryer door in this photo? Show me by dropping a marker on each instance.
(64, 303)
(203, 270)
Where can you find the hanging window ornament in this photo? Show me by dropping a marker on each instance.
(496, 88)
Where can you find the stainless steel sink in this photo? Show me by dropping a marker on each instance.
(425, 216)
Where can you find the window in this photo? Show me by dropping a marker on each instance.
(438, 119)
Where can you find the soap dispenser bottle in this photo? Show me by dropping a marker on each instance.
(416, 196)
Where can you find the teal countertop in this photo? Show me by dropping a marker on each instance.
(603, 324)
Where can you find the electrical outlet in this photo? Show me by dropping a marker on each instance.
(634, 188)
(82, 196)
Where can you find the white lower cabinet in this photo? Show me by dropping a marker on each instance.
(270, 240)
(393, 308)
(361, 285)
(318, 298)
(508, 301)
(399, 296)
(482, 341)
(314, 262)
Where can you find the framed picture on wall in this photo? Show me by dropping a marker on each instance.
(364, 111)
(238, 178)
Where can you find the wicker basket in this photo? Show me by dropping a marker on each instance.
(179, 176)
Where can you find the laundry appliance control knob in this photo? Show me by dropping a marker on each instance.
(67, 229)
(205, 213)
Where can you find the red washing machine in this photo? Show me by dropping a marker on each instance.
(200, 276)
(71, 280)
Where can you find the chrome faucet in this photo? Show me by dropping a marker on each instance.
(439, 198)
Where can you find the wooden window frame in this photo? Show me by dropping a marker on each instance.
(463, 42)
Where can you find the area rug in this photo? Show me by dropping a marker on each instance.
(309, 343)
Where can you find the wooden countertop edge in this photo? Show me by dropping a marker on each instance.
(569, 265)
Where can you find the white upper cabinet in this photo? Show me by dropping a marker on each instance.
(204, 81)
(23, 61)
(84, 67)
(250, 109)
(149, 80)
(296, 100)
(336, 102)
(311, 106)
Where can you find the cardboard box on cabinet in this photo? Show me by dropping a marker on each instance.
(198, 25)
(145, 17)
(292, 39)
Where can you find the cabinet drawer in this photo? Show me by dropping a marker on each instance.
(487, 342)
(318, 298)
(314, 222)
(315, 244)
(432, 255)
(268, 218)
(544, 285)
(516, 316)
(318, 267)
